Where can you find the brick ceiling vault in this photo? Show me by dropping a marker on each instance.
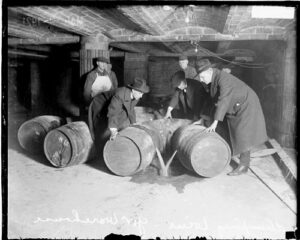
(160, 30)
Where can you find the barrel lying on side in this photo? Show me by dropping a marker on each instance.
(161, 130)
(207, 154)
(68, 145)
(31, 133)
(134, 147)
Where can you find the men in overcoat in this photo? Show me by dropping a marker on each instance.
(121, 111)
(188, 98)
(236, 101)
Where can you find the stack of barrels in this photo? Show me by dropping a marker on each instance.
(63, 144)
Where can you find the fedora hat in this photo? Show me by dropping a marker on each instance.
(140, 85)
(203, 64)
(183, 57)
(177, 78)
(102, 59)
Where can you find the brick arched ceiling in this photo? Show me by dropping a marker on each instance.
(164, 31)
(25, 28)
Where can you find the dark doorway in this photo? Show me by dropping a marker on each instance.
(118, 68)
(23, 84)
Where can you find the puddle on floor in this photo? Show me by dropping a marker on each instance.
(178, 177)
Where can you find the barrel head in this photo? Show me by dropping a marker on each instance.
(122, 156)
(58, 148)
(210, 155)
(31, 136)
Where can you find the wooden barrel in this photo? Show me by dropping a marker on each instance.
(163, 130)
(134, 147)
(143, 114)
(31, 133)
(207, 154)
(68, 145)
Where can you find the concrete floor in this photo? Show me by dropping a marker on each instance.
(87, 201)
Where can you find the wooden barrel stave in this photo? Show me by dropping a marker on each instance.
(79, 147)
(138, 154)
(68, 145)
(31, 134)
(164, 129)
(117, 152)
(62, 149)
(212, 148)
(182, 139)
(144, 139)
(207, 154)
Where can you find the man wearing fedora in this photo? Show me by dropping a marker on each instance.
(236, 101)
(188, 99)
(190, 72)
(99, 80)
(121, 108)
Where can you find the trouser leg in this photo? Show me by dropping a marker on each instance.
(243, 166)
(245, 158)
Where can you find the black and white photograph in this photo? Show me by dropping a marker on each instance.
(171, 120)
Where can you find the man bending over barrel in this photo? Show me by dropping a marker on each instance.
(188, 99)
(121, 108)
(239, 104)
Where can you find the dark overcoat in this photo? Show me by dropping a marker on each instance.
(195, 98)
(97, 115)
(190, 72)
(121, 111)
(241, 106)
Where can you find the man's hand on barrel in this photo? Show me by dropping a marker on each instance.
(113, 133)
(212, 127)
(199, 122)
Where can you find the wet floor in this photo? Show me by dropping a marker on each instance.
(88, 201)
(178, 176)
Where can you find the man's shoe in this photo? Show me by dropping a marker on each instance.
(241, 169)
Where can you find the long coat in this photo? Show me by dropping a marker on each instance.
(240, 104)
(91, 77)
(195, 97)
(97, 115)
(121, 111)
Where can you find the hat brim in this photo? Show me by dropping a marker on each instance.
(102, 61)
(144, 90)
(204, 68)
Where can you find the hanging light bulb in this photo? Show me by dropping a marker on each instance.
(187, 20)
(196, 49)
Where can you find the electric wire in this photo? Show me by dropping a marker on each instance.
(245, 65)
